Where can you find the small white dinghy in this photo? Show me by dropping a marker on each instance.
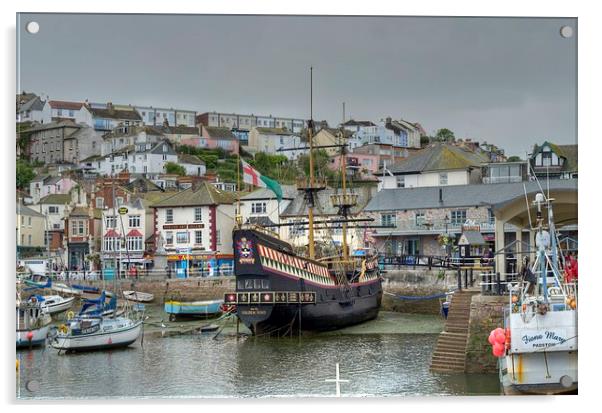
(97, 333)
(138, 296)
(55, 304)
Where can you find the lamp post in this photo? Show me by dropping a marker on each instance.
(446, 220)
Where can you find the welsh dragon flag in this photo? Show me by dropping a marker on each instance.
(251, 176)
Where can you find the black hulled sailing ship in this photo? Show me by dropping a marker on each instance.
(279, 291)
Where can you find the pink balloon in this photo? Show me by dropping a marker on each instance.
(491, 339)
(498, 350)
(500, 338)
(498, 353)
(499, 330)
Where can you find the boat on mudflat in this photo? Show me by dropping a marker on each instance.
(97, 333)
(138, 296)
(207, 308)
(55, 304)
(275, 288)
(33, 323)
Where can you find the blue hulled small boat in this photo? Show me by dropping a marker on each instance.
(193, 309)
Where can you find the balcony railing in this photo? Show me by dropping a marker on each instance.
(437, 227)
(502, 179)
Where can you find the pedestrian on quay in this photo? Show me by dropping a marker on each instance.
(527, 276)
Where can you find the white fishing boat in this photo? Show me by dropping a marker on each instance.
(97, 333)
(138, 296)
(33, 323)
(539, 353)
(55, 304)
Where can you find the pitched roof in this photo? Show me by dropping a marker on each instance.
(456, 196)
(144, 184)
(437, 157)
(61, 104)
(190, 159)
(80, 211)
(471, 238)
(23, 210)
(56, 199)
(113, 113)
(568, 152)
(29, 101)
(54, 125)
(274, 131)
(204, 194)
(220, 133)
(181, 130)
(352, 122)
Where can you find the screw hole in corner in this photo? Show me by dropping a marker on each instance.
(566, 31)
(32, 27)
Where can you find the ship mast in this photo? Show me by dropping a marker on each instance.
(309, 190)
(344, 187)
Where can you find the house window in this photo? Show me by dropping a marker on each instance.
(134, 243)
(29, 239)
(169, 215)
(119, 201)
(198, 237)
(77, 228)
(490, 216)
(100, 202)
(182, 237)
(258, 208)
(111, 222)
(443, 178)
(109, 243)
(53, 210)
(401, 181)
(419, 217)
(198, 214)
(218, 237)
(388, 220)
(169, 238)
(458, 217)
(134, 221)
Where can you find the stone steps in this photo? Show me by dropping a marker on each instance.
(450, 350)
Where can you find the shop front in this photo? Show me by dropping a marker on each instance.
(184, 265)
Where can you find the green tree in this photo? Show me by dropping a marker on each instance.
(321, 163)
(174, 168)
(25, 173)
(514, 158)
(445, 135)
(424, 141)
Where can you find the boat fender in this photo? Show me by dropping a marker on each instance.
(29, 336)
(70, 315)
(63, 328)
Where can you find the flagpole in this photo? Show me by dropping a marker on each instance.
(238, 219)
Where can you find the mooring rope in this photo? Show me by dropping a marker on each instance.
(418, 297)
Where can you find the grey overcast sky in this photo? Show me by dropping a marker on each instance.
(509, 81)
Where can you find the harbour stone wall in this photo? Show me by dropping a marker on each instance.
(419, 282)
(416, 283)
(486, 314)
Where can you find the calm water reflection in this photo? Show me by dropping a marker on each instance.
(197, 366)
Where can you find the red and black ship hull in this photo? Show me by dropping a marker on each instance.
(278, 292)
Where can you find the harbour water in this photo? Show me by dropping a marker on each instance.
(387, 357)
